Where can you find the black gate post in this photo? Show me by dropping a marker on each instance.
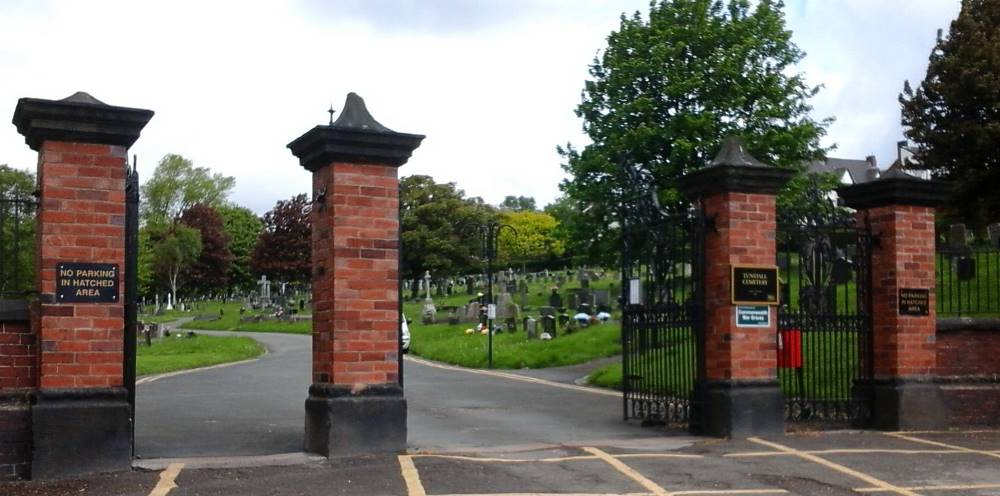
(131, 289)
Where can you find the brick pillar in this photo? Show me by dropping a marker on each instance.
(80, 421)
(741, 395)
(356, 402)
(18, 377)
(900, 210)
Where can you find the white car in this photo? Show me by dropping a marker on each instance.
(405, 331)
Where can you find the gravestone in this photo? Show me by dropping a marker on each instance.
(472, 312)
(549, 325)
(504, 302)
(584, 283)
(958, 237)
(530, 328)
(572, 300)
(994, 233)
(602, 298)
(555, 300)
(545, 311)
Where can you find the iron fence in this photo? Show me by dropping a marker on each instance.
(968, 281)
(17, 246)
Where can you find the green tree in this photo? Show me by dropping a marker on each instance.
(243, 227)
(518, 204)
(210, 272)
(535, 240)
(175, 247)
(17, 230)
(283, 251)
(667, 90)
(437, 224)
(177, 185)
(954, 114)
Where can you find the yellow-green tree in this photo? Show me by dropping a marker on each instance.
(535, 239)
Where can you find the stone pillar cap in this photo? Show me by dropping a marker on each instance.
(355, 137)
(895, 187)
(734, 170)
(78, 118)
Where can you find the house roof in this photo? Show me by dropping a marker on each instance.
(861, 171)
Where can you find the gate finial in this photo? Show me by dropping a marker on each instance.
(733, 152)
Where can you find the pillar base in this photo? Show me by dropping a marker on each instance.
(340, 422)
(743, 408)
(80, 431)
(907, 404)
(15, 434)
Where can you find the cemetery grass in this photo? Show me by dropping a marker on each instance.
(182, 353)
(449, 344)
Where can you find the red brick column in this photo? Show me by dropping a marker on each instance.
(81, 419)
(356, 402)
(18, 378)
(740, 395)
(900, 210)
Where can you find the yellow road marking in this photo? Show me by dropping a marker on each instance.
(730, 491)
(410, 475)
(517, 377)
(167, 478)
(547, 494)
(979, 431)
(880, 484)
(628, 472)
(551, 459)
(970, 487)
(845, 451)
(942, 445)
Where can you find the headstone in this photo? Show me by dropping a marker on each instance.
(563, 320)
(472, 312)
(543, 311)
(957, 236)
(549, 325)
(573, 300)
(453, 317)
(530, 328)
(504, 304)
(994, 232)
(602, 297)
(511, 324)
(555, 300)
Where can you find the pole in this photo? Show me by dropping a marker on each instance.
(490, 248)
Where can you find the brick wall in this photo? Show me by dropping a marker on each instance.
(17, 355)
(969, 371)
(904, 345)
(356, 268)
(81, 218)
(15, 434)
(743, 234)
(18, 376)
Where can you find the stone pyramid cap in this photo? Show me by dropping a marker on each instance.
(895, 187)
(78, 118)
(355, 137)
(733, 152)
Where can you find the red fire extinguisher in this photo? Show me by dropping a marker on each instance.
(790, 349)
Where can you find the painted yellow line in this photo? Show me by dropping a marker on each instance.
(547, 494)
(942, 445)
(880, 484)
(167, 478)
(551, 459)
(729, 491)
(846, 451)
(970, 487)
(628, 472)
(410, 475)
(978, 431)
(153, 378)
(517, 377)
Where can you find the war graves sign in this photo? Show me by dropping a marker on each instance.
(86, 282)
(755, 285)
(914, 301)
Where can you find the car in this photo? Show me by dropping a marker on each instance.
(405, 332)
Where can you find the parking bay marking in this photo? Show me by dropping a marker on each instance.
(167, 478)
(517, 377)
(877, 483)
(411, 476)
(942, 445)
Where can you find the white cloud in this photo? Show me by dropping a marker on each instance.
(493, 84)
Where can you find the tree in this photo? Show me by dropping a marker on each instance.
(283, 249)
(242, 226)
(176, 185)
(518, 204)
(438, 227)
(954, 114)
(667, 90)
(210, 272)
(535, 239)
(17, 230)
(174, 248)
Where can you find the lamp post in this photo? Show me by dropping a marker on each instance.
(489, 232)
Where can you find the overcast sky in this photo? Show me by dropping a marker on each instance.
(492, 83)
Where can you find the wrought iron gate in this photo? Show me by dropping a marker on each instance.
(662, 332)
(824, 320)
(131, 288)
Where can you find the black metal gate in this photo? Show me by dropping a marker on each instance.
(662, 332)
(824, 320)
(131, 287)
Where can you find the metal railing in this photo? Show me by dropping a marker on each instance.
(968, 281)
(17, 247)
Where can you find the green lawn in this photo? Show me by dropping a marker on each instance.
(282, 326)
(181, 353)
(449, 344)
(229, 320)
(978, 296)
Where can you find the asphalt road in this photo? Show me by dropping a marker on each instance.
(257, 408)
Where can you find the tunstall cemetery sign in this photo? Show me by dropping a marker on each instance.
(86, 282)
(754, 285)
